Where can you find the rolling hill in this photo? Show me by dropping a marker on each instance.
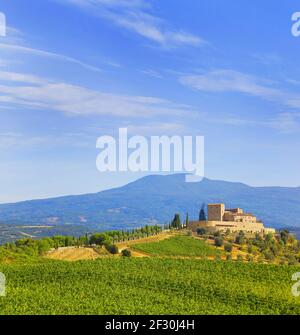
(155, 199)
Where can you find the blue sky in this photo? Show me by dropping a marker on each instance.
(73, 70)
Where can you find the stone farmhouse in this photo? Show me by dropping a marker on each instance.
(234, 220)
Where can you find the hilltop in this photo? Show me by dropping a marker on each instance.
(154, 199)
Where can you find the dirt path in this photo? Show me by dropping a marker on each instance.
(139, 254)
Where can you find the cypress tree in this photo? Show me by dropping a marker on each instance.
(176, 223)
(187, 220)
(202, 215)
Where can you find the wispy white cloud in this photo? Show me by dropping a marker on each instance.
(285, 123)
(77, 100)
(14, 35)
(293, 81)
(43, 53)
(222, 81)
(152, 73)
(3, 63)
(232, 81)
(12, 140)
(228, 81)
(21, 78)
(17, 42)
(156, 128)
(267, 58)
(136, 16)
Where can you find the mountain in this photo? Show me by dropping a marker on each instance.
(155, 199)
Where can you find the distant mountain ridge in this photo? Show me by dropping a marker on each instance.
(155, 199)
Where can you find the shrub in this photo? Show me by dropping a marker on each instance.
(250, 248)
(292, 260)
(126, 253)
(201, 231)
(268, 255)
(228, 247)
(219, 241)
(269, 237)
(113, 249)
(284, 235)
(240, 239)
(274, 249)
(227, 232)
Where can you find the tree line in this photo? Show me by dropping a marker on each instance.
(108, 240)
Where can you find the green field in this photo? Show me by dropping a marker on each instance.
(148, 286)
(184, 246)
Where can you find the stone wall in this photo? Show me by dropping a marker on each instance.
(232, 226)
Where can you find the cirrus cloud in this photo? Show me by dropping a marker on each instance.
(34, 92)
(136, 16)
(222, 81)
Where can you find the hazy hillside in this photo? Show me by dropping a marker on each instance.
(156, 199)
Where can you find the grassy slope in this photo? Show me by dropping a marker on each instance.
(178, 246)
(148, 286)
(8, 257)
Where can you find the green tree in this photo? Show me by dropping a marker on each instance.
(126, 253)
(228, 247)
(219, 241)
(176, 223)
(240, 238)
(268, 255)
(284, 235)
(269, 237)
(202, 215)
(201, 231)
(69, 241)
(43, 246)
(147, 230)
(217, 233)
(187, 220)
(113, 249)
(100, 239)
